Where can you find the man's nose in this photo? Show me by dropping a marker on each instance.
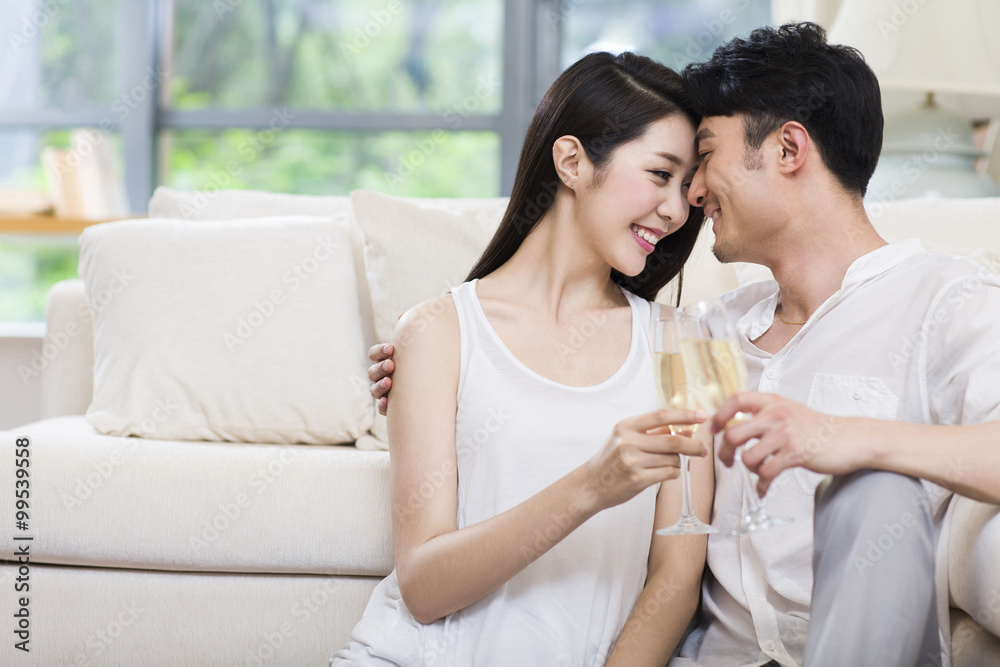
(697, 192)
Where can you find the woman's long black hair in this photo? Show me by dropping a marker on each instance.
(605, 101)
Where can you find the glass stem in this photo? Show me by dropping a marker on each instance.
(686, 512)
(750, 493)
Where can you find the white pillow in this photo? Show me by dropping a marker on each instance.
(233, 204)
(244, 330)
(417, 249)
(239, 204)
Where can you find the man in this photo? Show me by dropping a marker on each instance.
(876, 364)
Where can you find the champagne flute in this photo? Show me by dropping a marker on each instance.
(668, 328)
(716, 370)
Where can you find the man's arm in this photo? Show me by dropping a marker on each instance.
(964, 459)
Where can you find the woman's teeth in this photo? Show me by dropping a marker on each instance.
(647, 236)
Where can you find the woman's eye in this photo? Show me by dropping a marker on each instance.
(665, 175)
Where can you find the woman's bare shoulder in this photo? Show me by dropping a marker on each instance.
(431, 325)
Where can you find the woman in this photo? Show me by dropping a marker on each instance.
(525, 489)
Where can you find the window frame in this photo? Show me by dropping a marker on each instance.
(530, 61)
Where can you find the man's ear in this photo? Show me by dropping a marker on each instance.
(572, 165)
(795, 146)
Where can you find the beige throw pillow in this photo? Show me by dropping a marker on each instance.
(244, 330)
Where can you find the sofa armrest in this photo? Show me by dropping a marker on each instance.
(973, 554)
(67, 380)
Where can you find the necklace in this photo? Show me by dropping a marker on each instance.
(777, 311)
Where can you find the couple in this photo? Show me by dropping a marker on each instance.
(533, 545)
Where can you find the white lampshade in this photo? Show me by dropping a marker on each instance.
(948, 47)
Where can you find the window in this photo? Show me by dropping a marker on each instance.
(421, 98)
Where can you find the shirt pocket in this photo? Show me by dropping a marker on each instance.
(846, 396)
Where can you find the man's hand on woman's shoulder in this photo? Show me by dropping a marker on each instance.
(380, 373)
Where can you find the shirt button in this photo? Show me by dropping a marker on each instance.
(771, 374)
(769, 646)
(857, 395)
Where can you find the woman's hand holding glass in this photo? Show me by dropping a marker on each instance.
(640, 451)
(669, 328)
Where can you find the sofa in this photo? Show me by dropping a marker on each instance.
(209, 484)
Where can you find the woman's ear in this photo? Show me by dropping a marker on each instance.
(570, 160)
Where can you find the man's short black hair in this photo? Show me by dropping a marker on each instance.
(790, 73)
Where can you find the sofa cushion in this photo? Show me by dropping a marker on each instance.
(246, 331)
(236, 204)
(201, 506)
(417, 249)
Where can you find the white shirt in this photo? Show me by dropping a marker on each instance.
(909, 336)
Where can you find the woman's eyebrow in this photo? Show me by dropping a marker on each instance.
(670, 156)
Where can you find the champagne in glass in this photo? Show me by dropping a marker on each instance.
(671, 386)
(672, 391)
(718, 370)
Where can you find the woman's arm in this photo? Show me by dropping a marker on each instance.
(441, 569)
(676, 563)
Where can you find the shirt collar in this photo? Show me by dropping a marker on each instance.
(760, 316)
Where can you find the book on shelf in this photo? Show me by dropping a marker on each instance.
(85, 180)
(23, 202)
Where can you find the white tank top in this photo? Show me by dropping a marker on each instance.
(517, 433)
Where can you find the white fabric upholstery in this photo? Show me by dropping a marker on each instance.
(973, 570)
(247, 330)
(201, 506)
(100, 617)
(67, 381)
(236, 204)
(417, 249)
(971, 645)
